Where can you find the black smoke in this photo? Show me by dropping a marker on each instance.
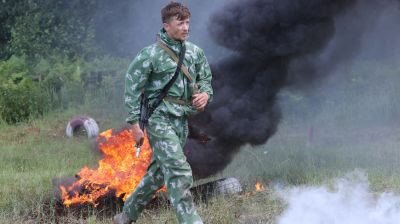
(274, 44)
(266, 38)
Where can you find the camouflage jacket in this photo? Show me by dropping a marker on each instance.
(152, 69)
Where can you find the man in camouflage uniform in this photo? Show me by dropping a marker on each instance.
(167, 128)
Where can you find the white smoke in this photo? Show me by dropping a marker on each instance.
(349, 201)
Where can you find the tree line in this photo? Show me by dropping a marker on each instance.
(53, 55)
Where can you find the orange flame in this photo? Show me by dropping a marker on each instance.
(259, 186)
(118, 171)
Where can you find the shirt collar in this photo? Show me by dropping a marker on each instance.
(173, 44)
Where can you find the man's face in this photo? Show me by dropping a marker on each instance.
(177, 29)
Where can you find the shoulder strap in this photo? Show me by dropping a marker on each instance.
(166, 88)
(175, 58)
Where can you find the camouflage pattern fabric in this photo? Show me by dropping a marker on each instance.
(167, 129)
(167, 135)
(153, 68)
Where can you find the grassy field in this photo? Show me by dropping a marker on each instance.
(311, 149)
(33, 154)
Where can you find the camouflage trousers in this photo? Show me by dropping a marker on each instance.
(167, 136)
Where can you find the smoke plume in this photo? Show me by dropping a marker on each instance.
(350, 202)
(274, 44)
(271, 44)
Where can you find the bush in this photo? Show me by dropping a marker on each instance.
(22, 99)
(31, 89)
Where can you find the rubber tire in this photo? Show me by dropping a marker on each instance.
(90, 125)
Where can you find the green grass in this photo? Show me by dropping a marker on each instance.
(360, 133)
(34, 154)
(31, 158)
(288, 159)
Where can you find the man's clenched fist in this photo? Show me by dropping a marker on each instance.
(137, 133)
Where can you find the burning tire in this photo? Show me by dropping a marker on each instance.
(77, 123)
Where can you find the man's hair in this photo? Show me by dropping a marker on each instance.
(174, 9)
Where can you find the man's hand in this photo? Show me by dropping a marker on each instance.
(199, 101)
(137, 134)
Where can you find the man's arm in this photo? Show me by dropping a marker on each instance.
(135, 81)
(204, 77)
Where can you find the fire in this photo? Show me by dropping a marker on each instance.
(119, 171)
(259, 186)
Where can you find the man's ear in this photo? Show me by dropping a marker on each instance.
(166, 26)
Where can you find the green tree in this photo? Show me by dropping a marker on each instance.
(10, 10)
(48, 27)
